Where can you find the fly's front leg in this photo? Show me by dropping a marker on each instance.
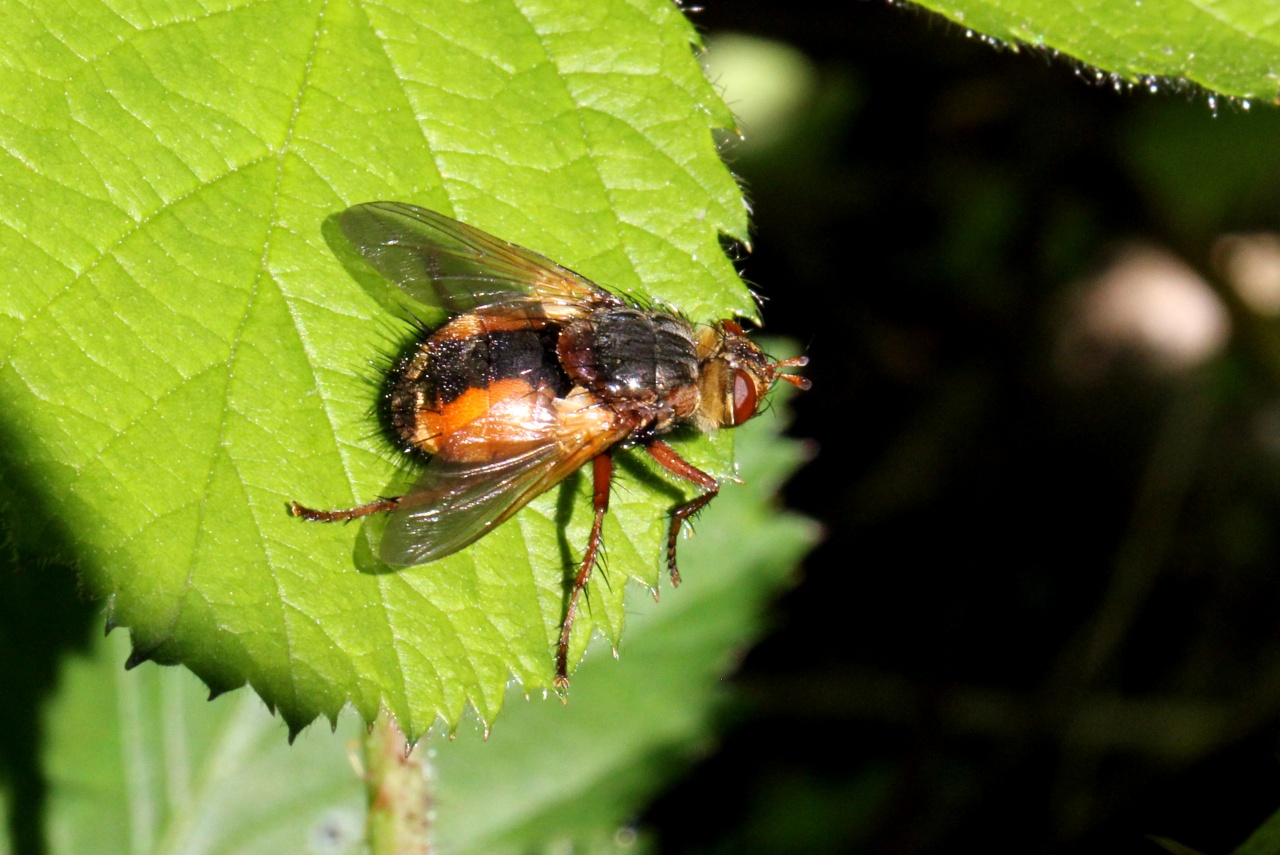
(601, 479)
(670, 460)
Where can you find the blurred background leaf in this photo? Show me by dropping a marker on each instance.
(142, 761)
(1232, 48)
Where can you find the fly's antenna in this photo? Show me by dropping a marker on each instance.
(801, 383)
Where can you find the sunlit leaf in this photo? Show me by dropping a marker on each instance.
(181, 354)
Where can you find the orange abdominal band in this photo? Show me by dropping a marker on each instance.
(450, 428)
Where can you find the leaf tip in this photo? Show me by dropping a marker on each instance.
(137, 657)
(295, 727)
(295, 722)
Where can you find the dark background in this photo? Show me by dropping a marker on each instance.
(1044, 615)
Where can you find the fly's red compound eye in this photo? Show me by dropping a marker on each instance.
(744, 397)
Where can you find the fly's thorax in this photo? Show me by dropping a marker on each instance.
(625, 354)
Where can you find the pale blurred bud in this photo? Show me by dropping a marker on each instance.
(1251, 266)
(1148, 305)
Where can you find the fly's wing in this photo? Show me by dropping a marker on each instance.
(441, 262)
(454, 503)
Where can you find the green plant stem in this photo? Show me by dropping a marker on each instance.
(396, 780)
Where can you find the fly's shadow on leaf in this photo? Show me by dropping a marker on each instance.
(365, 556)
(637, 471)
(384, 292)
(399, 307)
(570, 553)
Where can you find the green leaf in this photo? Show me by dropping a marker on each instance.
(1229, 47)
(181, 355)
(142, 762)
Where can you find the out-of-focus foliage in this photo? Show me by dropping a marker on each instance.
(1045, 389)
(1232, 47)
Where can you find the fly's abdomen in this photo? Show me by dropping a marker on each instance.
(464, 369)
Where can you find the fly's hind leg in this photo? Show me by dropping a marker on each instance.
(602, 477)
(343, 515)
(670, 460)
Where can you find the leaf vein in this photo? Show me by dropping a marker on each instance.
(119, 241)
(264, 267)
